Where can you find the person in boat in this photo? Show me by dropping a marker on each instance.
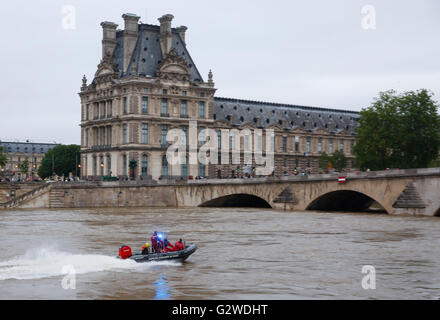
(169, 247)
(146, 248)
(179, 245)
(154, 242)
(162, 241)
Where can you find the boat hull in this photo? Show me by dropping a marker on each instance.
(181, 255)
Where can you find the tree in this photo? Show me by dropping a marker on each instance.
(3, 158)
(324, 161)
(24, 167)
(62, 158)
(338, 160)
(398, 131)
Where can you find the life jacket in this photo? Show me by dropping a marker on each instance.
(154, 243)
(179, 245)
(170, 248)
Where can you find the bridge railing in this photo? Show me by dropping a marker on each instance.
(313, 177)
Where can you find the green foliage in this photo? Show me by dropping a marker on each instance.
(24, 167)
(3, 158)
(64, 158)
(324, 161)
(338, 161)
(398, 131)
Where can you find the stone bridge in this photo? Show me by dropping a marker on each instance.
(412, 191)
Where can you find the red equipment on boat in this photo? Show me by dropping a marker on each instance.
(125, 252)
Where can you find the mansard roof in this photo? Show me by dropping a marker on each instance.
(147, 54)
(290, 117)
(26, 147)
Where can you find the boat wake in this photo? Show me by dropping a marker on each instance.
(46, 263)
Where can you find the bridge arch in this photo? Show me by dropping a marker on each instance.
(237, 200)
(345, 200)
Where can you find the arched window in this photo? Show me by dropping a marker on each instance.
(144, 166)
(109, 165)
(202, 170)
(124, 165)
(95, 166)
(185, 168)
(124, 133)
(164, 166)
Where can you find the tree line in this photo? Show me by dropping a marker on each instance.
(396, 131)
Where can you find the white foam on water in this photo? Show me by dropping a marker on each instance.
(49, 262)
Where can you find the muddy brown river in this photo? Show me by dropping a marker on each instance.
(242, 254)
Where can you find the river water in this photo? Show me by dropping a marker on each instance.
(242, 254)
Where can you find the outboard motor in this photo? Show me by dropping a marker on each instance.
(124, 252)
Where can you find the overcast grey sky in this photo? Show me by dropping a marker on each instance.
(313, 53)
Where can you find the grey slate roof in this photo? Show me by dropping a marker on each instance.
(239, 112)
(148, 54)
(27, 147)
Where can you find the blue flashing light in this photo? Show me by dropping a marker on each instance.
(161, 235)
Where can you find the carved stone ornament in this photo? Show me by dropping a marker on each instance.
(84, 83)
(173, 67)
(174, 90)
(107, 70)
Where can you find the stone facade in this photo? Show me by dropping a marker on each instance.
(147, 84)
(17, 152)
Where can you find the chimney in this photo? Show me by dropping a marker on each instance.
(166, 36)
(331, 126)
(258, 122)
(131, 32)
(108, 38)
(182, 31)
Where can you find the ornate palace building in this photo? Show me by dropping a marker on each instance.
(147, 84)
(17, 152)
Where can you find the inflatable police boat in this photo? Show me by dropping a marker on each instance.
(181, 255)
